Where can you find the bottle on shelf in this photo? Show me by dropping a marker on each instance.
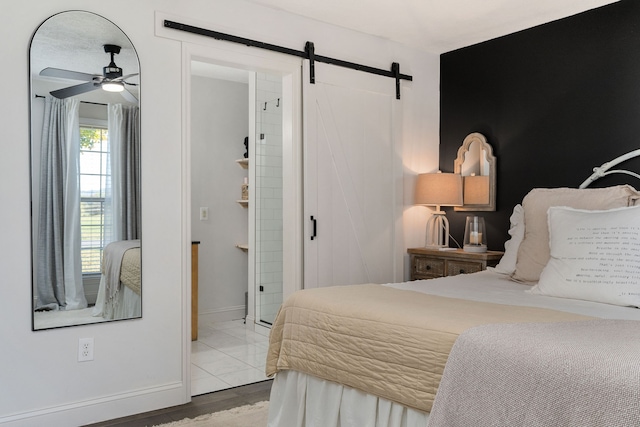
(245, 189)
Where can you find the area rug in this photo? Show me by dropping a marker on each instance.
(243, 416)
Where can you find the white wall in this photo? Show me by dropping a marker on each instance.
(142, 364)
(219, 124)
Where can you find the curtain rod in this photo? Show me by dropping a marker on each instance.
(82, 102)
(308, 53)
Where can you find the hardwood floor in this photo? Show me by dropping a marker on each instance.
(199, 405)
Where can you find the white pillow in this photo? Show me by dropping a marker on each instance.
(594, 256)
(507, 264)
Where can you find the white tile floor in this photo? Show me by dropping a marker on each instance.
(226, 355)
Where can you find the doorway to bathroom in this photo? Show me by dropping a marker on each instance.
(242, 189)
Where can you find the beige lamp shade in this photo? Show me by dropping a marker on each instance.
(476, 190)
(439, 189)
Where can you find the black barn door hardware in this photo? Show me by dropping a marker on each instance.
(310, 50)
(308, 53)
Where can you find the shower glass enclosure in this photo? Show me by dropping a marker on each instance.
(267, 178)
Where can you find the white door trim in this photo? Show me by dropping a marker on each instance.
(222, 53)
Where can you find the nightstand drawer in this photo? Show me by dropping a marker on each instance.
(428, 267)
(462, 267)
(433, 263)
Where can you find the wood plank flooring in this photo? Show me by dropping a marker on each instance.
(199, 405)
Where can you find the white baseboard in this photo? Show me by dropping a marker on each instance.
(222, 314)
(251, 323)
(101, 409)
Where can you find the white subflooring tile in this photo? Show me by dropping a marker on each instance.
(226, 355)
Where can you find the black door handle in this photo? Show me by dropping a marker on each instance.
(315, 229)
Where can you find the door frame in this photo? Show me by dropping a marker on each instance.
(225, 54)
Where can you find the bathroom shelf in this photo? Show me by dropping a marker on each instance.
(243, 246)
(243, 203)
(244, 163)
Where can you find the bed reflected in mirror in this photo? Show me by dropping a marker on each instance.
(85, 172)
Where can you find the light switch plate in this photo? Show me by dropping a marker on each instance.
(204, 214)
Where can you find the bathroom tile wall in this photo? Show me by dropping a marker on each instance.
(268, 195)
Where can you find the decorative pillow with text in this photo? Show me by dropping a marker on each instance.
(594, 256)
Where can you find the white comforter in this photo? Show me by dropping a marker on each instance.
(489, 286)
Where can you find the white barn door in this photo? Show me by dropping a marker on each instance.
(352, 178)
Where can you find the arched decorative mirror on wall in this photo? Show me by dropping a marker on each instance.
(85, 172)
(477, 165)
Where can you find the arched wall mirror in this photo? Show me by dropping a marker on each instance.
(477, 165)
(85, 172)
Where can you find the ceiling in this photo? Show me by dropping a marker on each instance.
(204, 69)
(74, 41)
(435, 25)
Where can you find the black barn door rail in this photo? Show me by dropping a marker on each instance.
(308, 53)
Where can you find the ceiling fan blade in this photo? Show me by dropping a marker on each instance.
(75, 90)
(128, 96)
(66, 74)
(126, 77)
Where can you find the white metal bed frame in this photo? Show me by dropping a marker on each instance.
(599, 172)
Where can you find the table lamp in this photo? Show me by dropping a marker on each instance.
(438, 189)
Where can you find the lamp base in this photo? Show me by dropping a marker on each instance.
(437, 235)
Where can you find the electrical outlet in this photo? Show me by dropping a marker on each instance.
(85, 349)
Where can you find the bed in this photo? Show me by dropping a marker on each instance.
(392, 354)
(120, 282)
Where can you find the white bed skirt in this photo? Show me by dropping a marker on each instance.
(301, 400)
(129, 304)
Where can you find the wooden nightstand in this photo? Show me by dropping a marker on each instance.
(430, 263)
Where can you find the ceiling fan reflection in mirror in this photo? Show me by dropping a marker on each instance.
(110, 80)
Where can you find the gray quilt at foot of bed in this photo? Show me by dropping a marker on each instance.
(584, 373)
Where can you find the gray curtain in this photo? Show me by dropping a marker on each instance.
(124, 141)
(59, 266)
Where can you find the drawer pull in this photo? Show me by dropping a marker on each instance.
(461, 271)
(428, 267)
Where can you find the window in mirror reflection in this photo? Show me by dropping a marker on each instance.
(94, 152)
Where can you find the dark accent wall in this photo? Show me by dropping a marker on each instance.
(554, 101)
